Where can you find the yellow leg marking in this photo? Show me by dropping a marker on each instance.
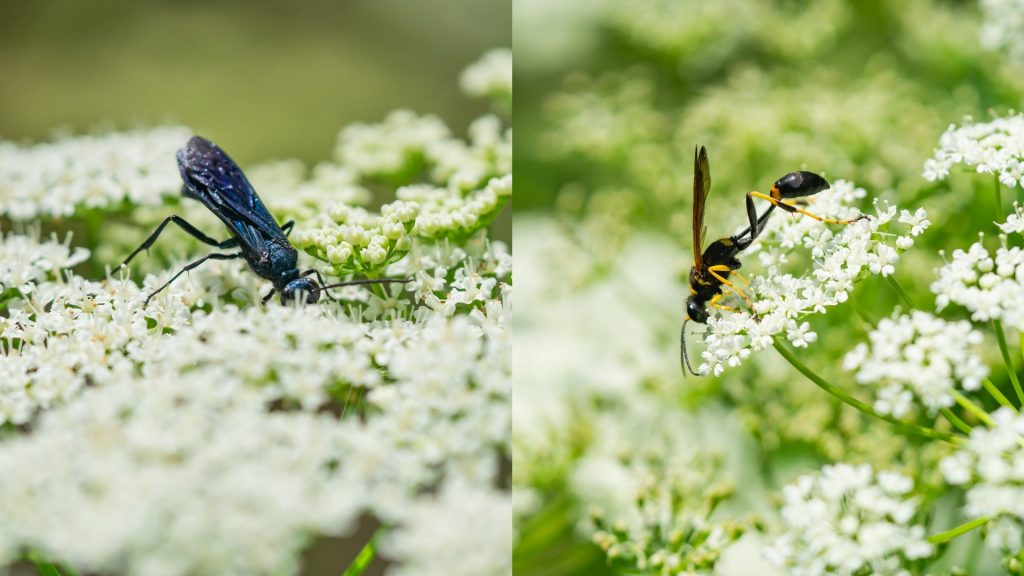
(714, 271)
(780, 203)
(741, 278)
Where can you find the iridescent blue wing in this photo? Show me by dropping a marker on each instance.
(213, 178)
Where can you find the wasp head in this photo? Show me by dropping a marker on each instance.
(696, 311)
(306, 286)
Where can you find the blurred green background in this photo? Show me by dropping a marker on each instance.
(267, 79)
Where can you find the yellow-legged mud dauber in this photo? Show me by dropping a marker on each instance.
(713, 266)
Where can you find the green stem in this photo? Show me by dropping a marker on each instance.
(1001, 337)
(956, 421)
(996, 394)
(958, 531)
(365, 556)
(999, 199)
(972, 408)
(843, 396)
(903, 293)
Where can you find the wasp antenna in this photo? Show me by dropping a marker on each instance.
(366, 281)
(684, 357)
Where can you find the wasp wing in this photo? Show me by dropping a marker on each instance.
(213, 178)
(701, 187)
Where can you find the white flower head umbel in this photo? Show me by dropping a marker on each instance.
(989, 466)
(990, 287)
(917, 356)
(995, 147)
(849, 520)
(838, 258)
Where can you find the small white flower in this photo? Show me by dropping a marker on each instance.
(918, 356)
(990, 288)
(991, 147)
(846, 520)
(990, 467)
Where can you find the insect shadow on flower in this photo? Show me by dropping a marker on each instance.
(214, 179)
(713, 266)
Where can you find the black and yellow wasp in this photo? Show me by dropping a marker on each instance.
(713, 266)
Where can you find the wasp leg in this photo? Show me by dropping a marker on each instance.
(287, 228)
(191, 266)
(714, 303)
(268, 296)
(793, 209)
(714, 271)
(741, 278)
(184, 225)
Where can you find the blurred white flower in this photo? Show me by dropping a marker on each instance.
(849, 520)
(490, 76)
(173, 477)
(921, 355)
(1003, 27)
(464, 531)
(995, 147)
(396, 145)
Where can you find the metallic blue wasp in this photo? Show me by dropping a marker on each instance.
(214, 179)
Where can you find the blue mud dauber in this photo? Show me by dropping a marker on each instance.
(214, 179)
(713, 266)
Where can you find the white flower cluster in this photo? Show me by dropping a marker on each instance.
(60, 337)
(989, 466)
(356, 240)
(24, 260)
(57, 178)
(917, 356)
(436, 410)
(849, 520)
(405, 143)
(447, 215)
(465, 166)
(1003, 27)
(995, 147)
(490, 76)
(465, 531)
(447, 276)
(992, 288)
(840, 258)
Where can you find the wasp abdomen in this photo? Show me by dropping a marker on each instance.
(799, 184)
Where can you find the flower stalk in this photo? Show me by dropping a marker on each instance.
(1005, 351)
(840, 394)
